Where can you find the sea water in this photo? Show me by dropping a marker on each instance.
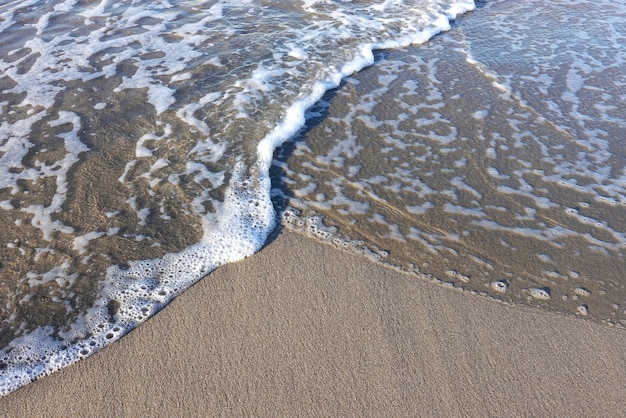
(492, 161)
(136, 139)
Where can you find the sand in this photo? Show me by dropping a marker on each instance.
(305, 329)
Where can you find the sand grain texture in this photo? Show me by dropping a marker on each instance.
(303, 329)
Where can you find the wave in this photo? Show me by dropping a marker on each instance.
(202, 94)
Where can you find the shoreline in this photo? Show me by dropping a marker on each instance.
(304, 328)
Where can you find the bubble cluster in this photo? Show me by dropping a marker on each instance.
(459, 276)
(133, 293)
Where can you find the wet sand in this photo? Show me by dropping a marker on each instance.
(305, 329)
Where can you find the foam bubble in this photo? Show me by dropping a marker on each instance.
(540, 293)
(581, 291)
(500, 286)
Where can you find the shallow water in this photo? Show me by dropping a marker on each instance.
(136, 140)
(492, 161)
(135, 143)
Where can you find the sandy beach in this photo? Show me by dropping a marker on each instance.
(305, 329)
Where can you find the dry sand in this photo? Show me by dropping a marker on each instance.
(304, 329)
